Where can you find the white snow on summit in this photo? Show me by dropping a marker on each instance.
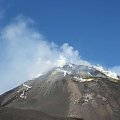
(107, 73)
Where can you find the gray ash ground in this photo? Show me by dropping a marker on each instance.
(71, 92)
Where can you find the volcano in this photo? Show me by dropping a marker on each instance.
(71, 92)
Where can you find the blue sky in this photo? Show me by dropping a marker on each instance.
(91, 27)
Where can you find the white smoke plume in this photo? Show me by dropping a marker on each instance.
(115, 69)
(26, 53)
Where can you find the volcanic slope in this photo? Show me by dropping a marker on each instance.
(68, 92)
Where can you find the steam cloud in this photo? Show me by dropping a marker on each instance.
(25, 53)
(115, 69)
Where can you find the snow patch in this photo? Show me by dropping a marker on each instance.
(63, 71)
(80, 79)
(107, 73)
(24, 89)
(23, 95)
(27, 86)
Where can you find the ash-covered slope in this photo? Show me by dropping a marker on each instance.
(71, 91)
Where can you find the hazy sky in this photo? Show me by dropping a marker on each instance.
(35, 33)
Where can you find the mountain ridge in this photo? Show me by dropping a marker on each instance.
(72, 91)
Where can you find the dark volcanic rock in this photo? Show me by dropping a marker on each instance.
(71, 92)
(20, 114)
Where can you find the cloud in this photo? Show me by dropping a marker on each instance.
(115, 69)
(24, 53)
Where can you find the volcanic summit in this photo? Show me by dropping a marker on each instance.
(71, 92)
